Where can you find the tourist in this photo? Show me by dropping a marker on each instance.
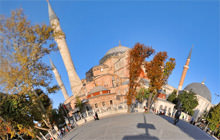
(96, 117)
(62, 131)
(145, 109)
(169, 114)
(177, 116)
(192, 120)
(164, 112)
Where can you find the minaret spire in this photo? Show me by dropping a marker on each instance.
(74, 79)
(51, 13)
(190, 53)
(185, 68)
(59, 81)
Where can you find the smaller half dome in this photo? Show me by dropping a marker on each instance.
(97, 89)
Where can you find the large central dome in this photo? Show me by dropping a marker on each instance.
(114, 52)
(118, 49)
(200, 89)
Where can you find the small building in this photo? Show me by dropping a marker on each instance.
(161, 105)
(204, 98)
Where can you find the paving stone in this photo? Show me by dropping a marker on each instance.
(137, 126)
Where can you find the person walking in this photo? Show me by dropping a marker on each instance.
(96, 116)
(177, 116)
(192, 120)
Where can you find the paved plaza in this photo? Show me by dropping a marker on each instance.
(137, 126)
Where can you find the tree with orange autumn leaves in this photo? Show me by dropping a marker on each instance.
(137, 56)
(158, 71)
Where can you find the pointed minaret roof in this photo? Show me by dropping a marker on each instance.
(52, 14)
(189, 57)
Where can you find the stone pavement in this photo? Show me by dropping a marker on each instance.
(137, 126)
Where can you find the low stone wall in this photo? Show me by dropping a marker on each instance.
(101, 115)
(105, 114)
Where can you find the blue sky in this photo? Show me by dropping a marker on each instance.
(94, 27)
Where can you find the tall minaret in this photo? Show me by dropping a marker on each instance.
(185, 68)
(59, 81)
(74, 79)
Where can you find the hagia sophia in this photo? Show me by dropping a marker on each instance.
(107, 84)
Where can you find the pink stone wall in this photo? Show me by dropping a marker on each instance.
(111, 74)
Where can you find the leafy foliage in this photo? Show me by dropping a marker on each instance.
(23, 46)
(189, 101)
(137, 55)
(173, 97)
(142, 94)
(23, 74)
(57, 117)
(14, 107)
(214, 119)
(62, 111)
(79, 104)
(158, 71)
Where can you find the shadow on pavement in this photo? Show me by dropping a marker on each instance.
(189, 129)
(145, 136)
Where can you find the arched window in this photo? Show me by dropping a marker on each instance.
(111, 102)
(165, 109)
(169, 110)
(96, 105)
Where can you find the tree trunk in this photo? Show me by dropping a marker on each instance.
(154, 98)
(129, 109)
(38, 137)
(149, 102)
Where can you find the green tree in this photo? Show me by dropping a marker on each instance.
(172, 97)
(62, 111)
(57, 117)
(13, 107)
(214, 119)
(142, 94)
(79, 104)
(189, 101)
(22, 71)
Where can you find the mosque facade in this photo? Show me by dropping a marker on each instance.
(107, 84)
